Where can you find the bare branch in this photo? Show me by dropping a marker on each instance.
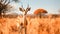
(5, 1)
(4, 6)
(1, 1)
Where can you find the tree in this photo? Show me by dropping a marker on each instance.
(4, 5)
(40, 12)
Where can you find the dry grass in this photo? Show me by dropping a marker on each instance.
(35, 25)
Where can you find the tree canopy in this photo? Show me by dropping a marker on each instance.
(39, 11)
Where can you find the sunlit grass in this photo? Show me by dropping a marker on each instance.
(36, 25)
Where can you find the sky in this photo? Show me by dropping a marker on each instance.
(52, 6)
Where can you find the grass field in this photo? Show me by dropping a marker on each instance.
(35, 25)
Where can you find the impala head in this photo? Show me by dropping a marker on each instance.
(25, 10)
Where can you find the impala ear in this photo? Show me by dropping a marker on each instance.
(20, 9)
(28, 8)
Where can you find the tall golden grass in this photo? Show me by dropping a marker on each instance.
(35, 25)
